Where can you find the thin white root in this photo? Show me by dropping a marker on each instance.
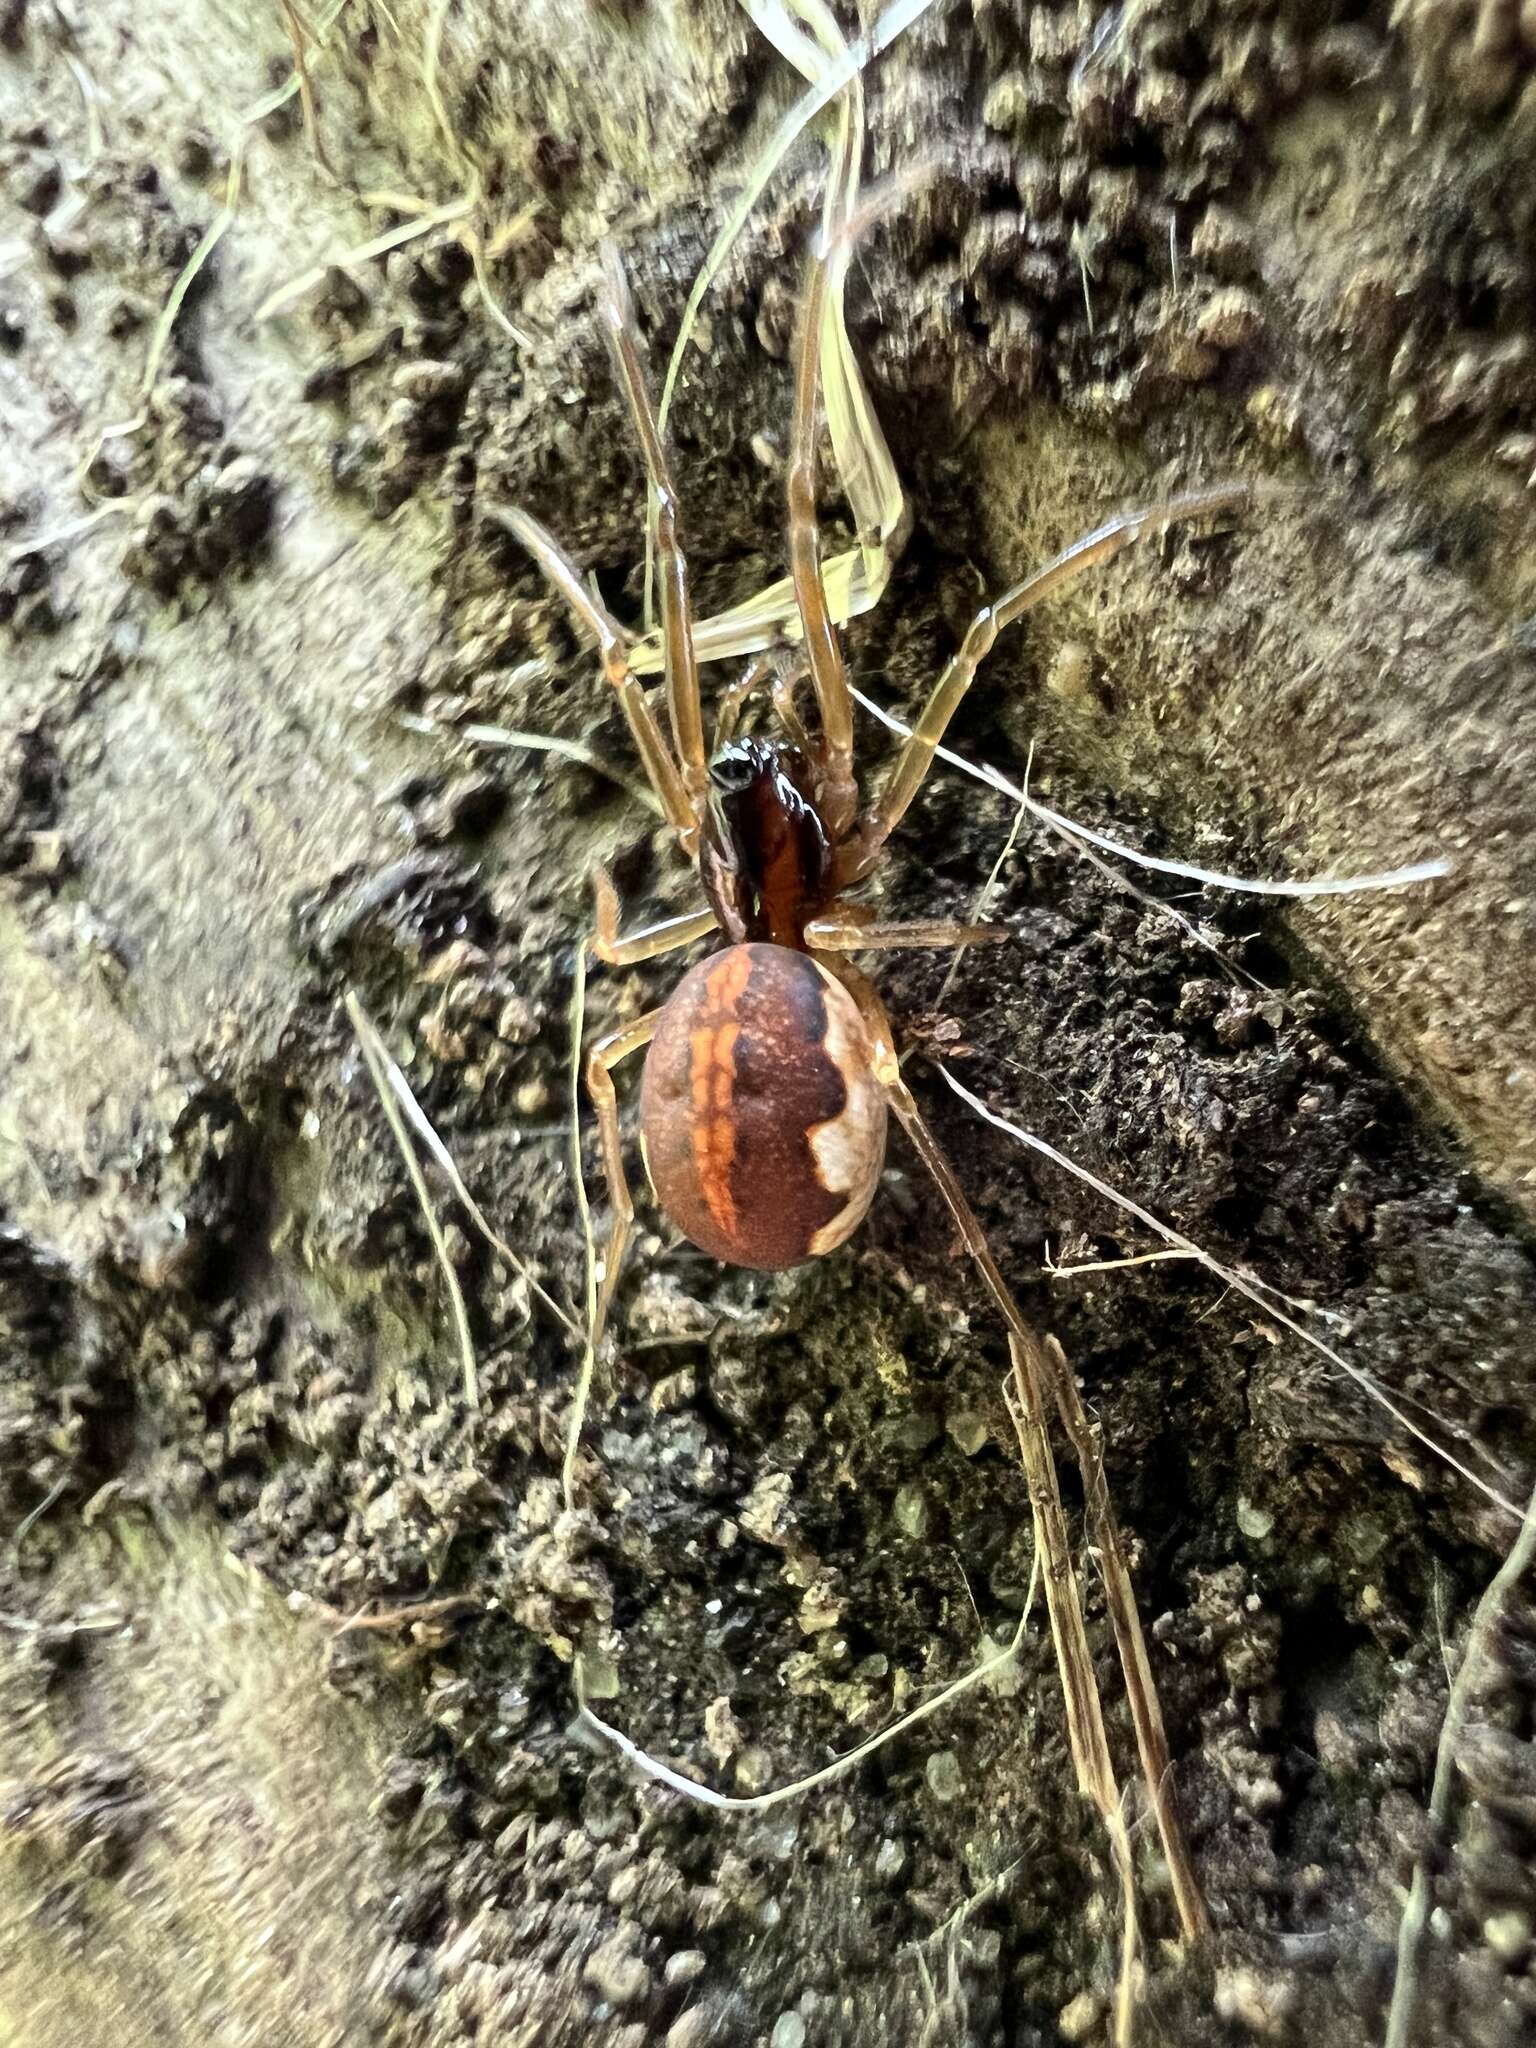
(421, 1123)
(983, 902)
(72, 529)
(1263, 1298)
(1056, 1272)
(759, 1802)
(1247, 885)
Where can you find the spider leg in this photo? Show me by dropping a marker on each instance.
(911, 765)
(1146, 1709)
(839, 792)
(606, 1052)
(603, 1056)
(651, 940)
(1041, 1370)
(680, 664)
(613, 647)
(785, 688)
(845, 931)
(734, 700)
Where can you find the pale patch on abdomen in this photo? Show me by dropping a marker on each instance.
(848, 1148)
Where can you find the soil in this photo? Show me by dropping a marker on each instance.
(288, 1744)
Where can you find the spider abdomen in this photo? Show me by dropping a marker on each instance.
(762, 1123)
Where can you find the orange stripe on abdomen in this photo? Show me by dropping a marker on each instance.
(712, 1082)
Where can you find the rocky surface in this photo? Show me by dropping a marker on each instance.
(287, 1733)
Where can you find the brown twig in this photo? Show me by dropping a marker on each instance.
(408, 1615)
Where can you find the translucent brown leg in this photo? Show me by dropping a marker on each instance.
(839, 792)
(916, 757)
(680, 663)
(603, 1056)
(652, 940)
(1039, 1364)
(783, 678)
(1146, 1709)
(733, 701)
(843, 931)
(613, 648)
(786, 685)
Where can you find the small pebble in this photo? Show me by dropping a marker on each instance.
(1254, 1522)
(687, 1966)
(967, 1429)
(1007, 106)
(890, 1860)
(945, 1780)
(695, 2029)
(1260, 2005)
(911, 1511)
(616, 1973)
(1078, 2020)
(1229, 319)
(426, 382)
(788, 2031)
(1508, 1935)
(1070, 676)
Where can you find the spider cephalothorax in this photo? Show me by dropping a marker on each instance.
(765, 858)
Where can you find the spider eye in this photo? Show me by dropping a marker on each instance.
(733, 771)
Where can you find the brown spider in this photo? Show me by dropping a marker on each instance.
(773, 1063)
(772, 1067)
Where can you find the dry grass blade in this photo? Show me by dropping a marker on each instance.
(213, 234)
(1410, 1936)
(160, 336)
(299, 34)
(1023, 1392)
(856, 579)
(583, 1390)
(1141, 1691)
(394, 238)
(378, 1067)
(864, 465)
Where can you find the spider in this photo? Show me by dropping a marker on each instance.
(770, 1070)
